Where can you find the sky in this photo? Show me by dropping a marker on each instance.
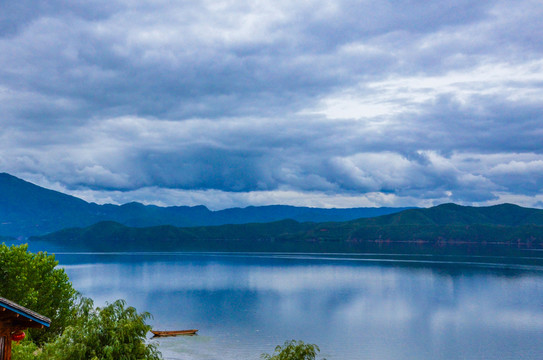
(309, 103)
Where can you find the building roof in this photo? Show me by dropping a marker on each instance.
(10, 311)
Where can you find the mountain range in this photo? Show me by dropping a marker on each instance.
(54, 218)
(27, 209)
(445, 226)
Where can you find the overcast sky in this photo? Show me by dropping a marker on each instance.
(315, 103)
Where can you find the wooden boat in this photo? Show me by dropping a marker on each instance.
(174, 333)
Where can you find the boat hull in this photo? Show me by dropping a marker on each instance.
(174, 333)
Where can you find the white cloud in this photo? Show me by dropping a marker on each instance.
(518, 168)
(409, 94)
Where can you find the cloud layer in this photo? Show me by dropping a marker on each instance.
(231, 103)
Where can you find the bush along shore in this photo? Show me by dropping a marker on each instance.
(79, 330)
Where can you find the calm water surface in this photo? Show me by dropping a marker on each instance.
(351, 306)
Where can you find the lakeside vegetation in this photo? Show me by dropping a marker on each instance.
(293, 350)
(79, 330)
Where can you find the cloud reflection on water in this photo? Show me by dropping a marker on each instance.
(347, 308)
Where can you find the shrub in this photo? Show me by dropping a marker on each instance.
(108, 333)
(293, 350)
(79, 331)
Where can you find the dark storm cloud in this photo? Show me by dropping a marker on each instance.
(141, 60)
(16, 15)
(404, 99)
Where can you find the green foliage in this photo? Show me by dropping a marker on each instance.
(25, 350)
(293, 350)
(78, 330)
(34, 281)
(109, 333)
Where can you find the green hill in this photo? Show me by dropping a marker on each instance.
(452, 214)
(445, 225)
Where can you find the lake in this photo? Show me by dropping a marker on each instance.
(352, 306)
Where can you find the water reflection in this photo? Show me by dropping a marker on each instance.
(245, 305)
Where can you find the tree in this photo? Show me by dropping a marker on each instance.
(109, 333)
(35, 282)
(293, 350)
(79, 331)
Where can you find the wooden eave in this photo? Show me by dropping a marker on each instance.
(15, 315)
